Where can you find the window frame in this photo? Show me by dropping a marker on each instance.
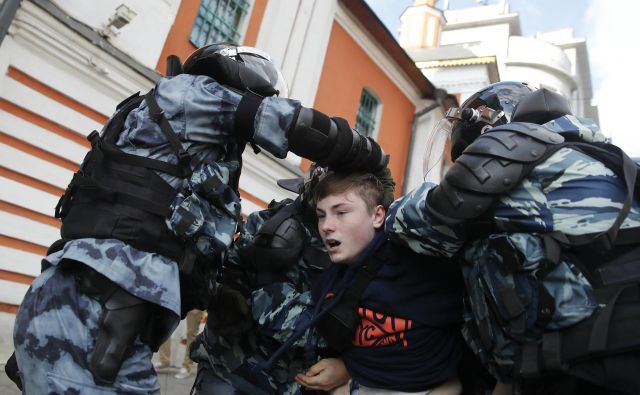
(376, 117)
(240, 30)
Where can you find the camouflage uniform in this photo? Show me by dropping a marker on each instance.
(570, 192)
(56, 325)
(229, 365)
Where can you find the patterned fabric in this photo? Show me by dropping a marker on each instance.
(201, 113)
(277, 309)
(55, 331)
(570, 193)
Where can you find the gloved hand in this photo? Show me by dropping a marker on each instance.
(236, 274)
(364, 154)
(231, 312)
(11, 369)
(388, 186)
(330, 142)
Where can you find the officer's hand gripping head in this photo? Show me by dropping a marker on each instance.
(330, 142)
(457, 198)
(242, 68)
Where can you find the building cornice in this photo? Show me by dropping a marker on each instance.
(46, 34)
(456, 62)
(513, 20)
(95, 39)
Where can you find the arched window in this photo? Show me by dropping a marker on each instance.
(368, 119)
(219, 21)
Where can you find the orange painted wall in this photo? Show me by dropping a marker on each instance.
(347, 70)
(177, 42)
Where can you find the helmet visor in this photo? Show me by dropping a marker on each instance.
(435, 147)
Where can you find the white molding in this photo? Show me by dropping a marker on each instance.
(377, 54)
(40, 169)
(41, 138)
(12, 292)
(22, 228)
(19, 261)
(49, 41)
(28, 197)
(46, 107)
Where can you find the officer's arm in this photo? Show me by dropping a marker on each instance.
(432, 219)
(496, 162)
(331, 142)
(409, 223)
(279, 309)
(280, 125)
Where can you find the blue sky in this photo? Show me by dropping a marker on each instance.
(611, 29)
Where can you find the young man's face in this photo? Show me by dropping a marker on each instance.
(346, 225)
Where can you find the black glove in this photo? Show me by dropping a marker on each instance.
(364, 153)
(231, 313)
(330, 142)
(11, 369)
(235, 276)
(388, 186)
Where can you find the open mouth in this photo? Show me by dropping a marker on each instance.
(331, 243)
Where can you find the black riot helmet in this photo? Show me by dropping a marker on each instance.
(244, 68)
(492, 106)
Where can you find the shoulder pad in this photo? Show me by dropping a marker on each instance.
(497, 160)
(518, 141)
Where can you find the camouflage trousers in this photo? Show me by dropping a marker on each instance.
(54, 336)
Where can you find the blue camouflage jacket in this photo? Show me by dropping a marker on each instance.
(570, 192)
(277, 308)
(201, 112)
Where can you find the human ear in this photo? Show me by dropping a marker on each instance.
(378, 216)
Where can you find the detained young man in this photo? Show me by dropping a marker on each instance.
(405, 337)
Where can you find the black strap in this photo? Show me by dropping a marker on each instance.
(101, 192)
(552, 350)
(245, 116)
(529, 361)
(157, 115)
(364, 275)
(211, 183)
(114, 153)
(600, 331)
(517, 311)
(609, 331)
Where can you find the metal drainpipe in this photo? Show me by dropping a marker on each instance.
(439, 95)
(7, 12)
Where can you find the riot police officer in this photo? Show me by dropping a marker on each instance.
(540, 210)
(150, 213)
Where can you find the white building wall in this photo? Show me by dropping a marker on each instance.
(465, 80)
(296, 34)
(492, 40)
(142, 38)
(540, 64)
(553, 60)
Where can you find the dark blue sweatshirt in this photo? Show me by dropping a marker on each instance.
(408, 336)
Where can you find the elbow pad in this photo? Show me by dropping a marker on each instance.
(331, 142)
